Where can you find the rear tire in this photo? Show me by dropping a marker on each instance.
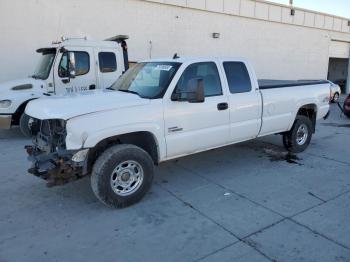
(24, 125)
(122, 175)
(299, 137)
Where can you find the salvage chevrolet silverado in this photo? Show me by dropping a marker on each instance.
(164, 109)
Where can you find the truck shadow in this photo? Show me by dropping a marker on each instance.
(336, 125)
(12, 134)
(79, 193)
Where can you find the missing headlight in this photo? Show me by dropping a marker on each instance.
(49, 135)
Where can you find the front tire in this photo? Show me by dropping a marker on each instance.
(24, 125)
(122, 175)
(299, 137)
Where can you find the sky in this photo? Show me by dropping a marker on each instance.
(334, 7)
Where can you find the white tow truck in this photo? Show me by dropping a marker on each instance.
(68, 66)
(161, 110)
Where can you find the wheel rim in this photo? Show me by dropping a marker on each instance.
(336, 97)
(127, 178)
(302, 134)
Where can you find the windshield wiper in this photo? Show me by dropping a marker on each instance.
(131, 92)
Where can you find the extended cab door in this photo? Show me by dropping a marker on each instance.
(110, 66)
(245, 101)
(192, 127)
(85, 74)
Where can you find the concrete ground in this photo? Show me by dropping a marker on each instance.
(246, 202)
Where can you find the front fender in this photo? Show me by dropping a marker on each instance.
(17, 100)
(86, 131)
(75, 141)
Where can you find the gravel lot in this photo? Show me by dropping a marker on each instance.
(246, 202)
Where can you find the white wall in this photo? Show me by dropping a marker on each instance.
(277, 50)
(339, 49)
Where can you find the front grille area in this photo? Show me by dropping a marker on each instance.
(48, 135)
(50, 159)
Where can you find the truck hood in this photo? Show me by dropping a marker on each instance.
(33, 85)
(73, 105)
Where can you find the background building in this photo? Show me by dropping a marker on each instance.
(281, 43)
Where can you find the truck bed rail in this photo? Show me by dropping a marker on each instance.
(269, 83)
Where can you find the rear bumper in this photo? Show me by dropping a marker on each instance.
(5, 121)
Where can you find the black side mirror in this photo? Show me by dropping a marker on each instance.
(71, 64)
(194, 92)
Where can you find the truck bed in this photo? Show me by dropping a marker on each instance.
(270, 83)
(282, 99)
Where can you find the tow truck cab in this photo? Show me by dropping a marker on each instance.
(68, 66)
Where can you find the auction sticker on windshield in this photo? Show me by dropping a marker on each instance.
(163, 67)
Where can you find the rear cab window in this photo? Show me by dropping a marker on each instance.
(107, 62)
(237, 77)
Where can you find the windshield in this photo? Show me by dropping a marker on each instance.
(43, 68)
(148, 80)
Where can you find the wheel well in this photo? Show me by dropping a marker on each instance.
(310, 111)
(143, 139)
(20, 110)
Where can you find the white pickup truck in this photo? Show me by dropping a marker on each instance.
(161, 110)
(68, 66)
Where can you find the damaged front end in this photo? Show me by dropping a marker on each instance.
(51, 160)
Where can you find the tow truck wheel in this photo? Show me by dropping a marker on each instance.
(122, 175)
(24, 125)
(299, 137)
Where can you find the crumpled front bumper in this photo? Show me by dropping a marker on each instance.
(56, 168)
(5, 121)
